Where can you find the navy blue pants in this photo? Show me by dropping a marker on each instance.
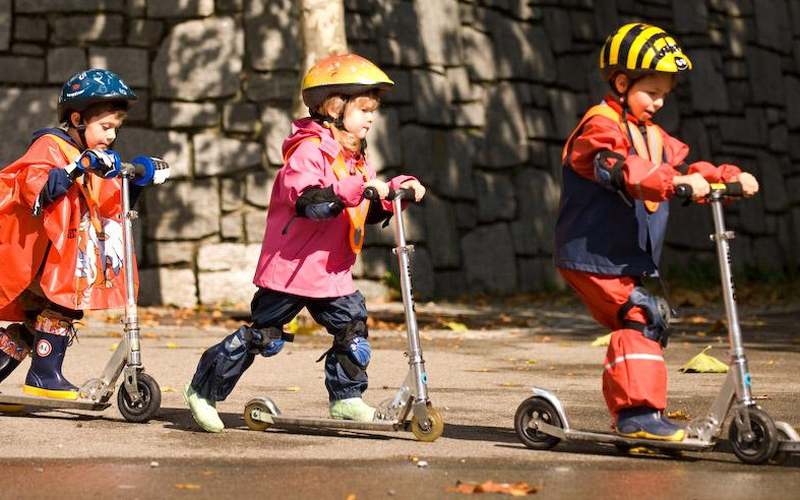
(222, 365)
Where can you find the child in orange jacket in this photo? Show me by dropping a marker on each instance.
(61, 230)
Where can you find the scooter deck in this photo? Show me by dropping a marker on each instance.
(38, 402)
(331, 423)
(611, 438)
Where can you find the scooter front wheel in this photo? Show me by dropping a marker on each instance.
(434, 429)
(149, 400)
(764, 442)
(256, 406)
(536, 408)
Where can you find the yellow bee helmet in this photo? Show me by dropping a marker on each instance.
(638, 48)
(345, 74)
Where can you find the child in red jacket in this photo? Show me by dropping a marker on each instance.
(619, 170)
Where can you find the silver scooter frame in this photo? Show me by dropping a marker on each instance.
(140, 396)
(261, 413)
(702, 433)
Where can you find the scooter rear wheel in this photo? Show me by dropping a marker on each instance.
(149, 400)
(435, 426)
(765, 441)
(536, 408)
(253, 424)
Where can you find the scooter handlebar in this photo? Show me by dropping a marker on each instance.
(724, 190)
(371, 194)
(145, 170)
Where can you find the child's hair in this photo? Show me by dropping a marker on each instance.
(118, 108)
(332, 110)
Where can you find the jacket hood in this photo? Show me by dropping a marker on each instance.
(302, 129)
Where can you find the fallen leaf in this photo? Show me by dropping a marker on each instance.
(509, 384)
(351, 496)
(292, 388)
(172, 345)
(515, 489)
(186, 486)
(678, 415)
(167, 389)
(455, 326)
(703, 363)
(602, 340)
(113, 346)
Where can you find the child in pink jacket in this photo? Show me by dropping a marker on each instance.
(315, 229)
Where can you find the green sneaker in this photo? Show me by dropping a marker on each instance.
(203, 411)
(352, 409)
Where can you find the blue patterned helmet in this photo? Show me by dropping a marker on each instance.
(90, 87)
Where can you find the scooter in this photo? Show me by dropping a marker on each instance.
(541, 421)
(140, 396)
(261, 413)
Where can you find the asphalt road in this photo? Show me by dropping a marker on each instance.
(477, 378)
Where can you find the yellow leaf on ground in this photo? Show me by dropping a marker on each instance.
(602, 340)
(186, 486)
(515, 489)
(455, 326)
(678, 415)
(292, 326)
(292, 388)
(172, 345)
(703, 363)
(167, 389)
(113, 346)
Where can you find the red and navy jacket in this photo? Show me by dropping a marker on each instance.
(618, 228)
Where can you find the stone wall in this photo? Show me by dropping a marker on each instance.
(487, 91)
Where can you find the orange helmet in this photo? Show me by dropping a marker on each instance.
(346, 74)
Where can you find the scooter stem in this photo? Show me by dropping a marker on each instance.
(131, 313)
(738, 359)
(402, 251)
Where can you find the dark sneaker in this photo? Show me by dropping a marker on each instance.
(647, 423)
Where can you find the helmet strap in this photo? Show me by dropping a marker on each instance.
(339, 120)
(80, 128)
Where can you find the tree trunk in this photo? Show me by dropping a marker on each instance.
(322, 23)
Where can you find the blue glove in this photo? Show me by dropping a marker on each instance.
(102, 163)
(360, 351)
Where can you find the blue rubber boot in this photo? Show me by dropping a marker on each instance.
(647, 423)
(44, 376)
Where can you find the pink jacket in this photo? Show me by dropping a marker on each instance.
(313, 258)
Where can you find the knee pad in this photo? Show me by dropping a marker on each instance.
(656, 310)
(265, 341)
(352, 340)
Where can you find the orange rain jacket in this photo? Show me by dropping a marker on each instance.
(55, 243)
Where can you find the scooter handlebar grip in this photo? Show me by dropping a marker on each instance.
(684, 191)
(149, 169)
(371, 194)
(734, 189)
(402, 193)
(408, 194)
